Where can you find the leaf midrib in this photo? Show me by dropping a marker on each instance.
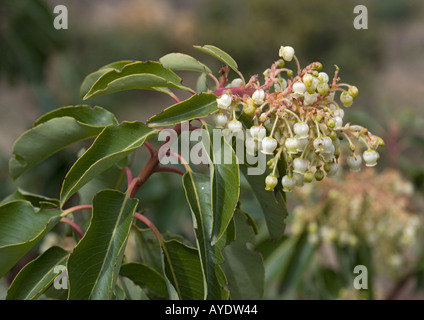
(110, 243)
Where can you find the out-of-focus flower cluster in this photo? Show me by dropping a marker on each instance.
(298, 120)
(368, 208)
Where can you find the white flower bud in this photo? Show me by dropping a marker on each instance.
(287, 53)
(323, 77)
(288, 183)
(323, 145)
(315, 82)
(224, 101)
(259, 96)
(309, 99)
(235, 126)
(269, 144)
(299, 88)
(346, 99)
(301, 130)
(258, 132)
(354, 162)
(220, 120)
(237, 82)
(251, 146)
(270, 182)
(370, 157)
(338, 113)
(338, 123)
(308, 79)
(291, 145)
(300, 165)
(332, 169)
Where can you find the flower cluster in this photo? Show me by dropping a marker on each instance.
(367, 208)
(297, 119)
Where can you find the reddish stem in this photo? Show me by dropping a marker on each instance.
(170, 169)
(151, 226)
(77, 208)
(129, 175)
(151, 150)
(149, 168)
(74, 226)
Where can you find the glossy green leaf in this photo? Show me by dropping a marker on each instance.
(54, 131)
(225, 180)
(21, 227)
(132, 291)
(111, 146)
(202, 83)
(149, 248)
(181, 61)
(147, 278)
(91, 79)
(92, 116)
(198, 192)
(273, 204)
(184, 271)
(35, 199)
(197, 106)
(37, 275)
(137, 75)
(94, 265)
(213, 199)
(220, 55)
(243, 268)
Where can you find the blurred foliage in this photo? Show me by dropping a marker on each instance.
(322, 31)
(367, 218)
(27, 39)
(252, 31)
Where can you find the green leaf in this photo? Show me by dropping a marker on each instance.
(147, 278)
(224, 170)
(197, 106)
(273, 204)
(92, 78)
(132, 291)
(111, 146)
(37, 275)
(35, 199)
(136, 75)
(94, 265)
(202, 83)
(112, 178)
(213, 199)
(198, 192)
(184, 264)
(220, 55)
(180, 61)
(243, 268)
(54, 131)
(96, 117)
(149, 248)
(21, 227)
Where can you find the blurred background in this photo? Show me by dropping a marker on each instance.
(372, 218)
